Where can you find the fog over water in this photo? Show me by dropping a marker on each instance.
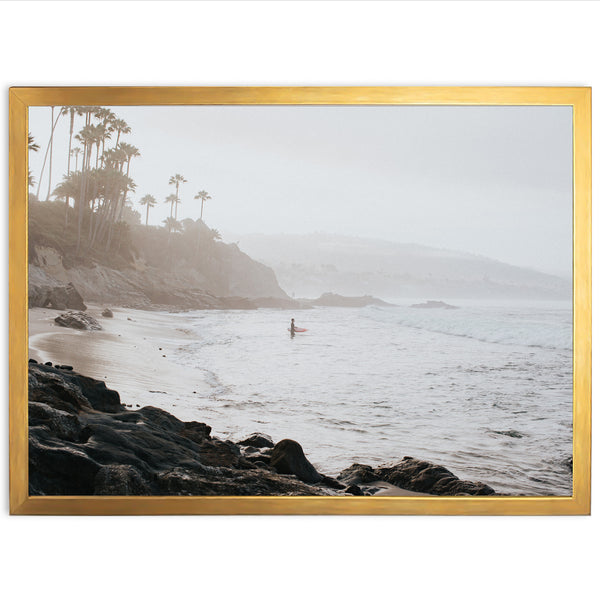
(494, 181)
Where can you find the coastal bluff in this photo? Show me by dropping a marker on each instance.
(235, 282)
(84, 441)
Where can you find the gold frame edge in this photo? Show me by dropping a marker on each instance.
(21, 98)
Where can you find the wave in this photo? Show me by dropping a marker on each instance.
(541, 328)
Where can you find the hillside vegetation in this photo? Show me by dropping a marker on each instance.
(144, 265)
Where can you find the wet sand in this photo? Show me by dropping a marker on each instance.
(131, 354)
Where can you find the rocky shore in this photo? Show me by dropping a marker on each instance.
(84, 441)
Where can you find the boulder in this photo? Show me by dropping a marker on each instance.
(107, 313)
(57, 297)
(288, 457)
(69, 391)
(77, 320)
(358, 474)
(258, 440)
(422, 476)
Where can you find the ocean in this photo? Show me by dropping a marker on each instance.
(484, 390)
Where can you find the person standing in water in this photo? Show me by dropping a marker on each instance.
(292, 329)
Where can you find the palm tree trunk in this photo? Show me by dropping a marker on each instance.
(45, 157)
(87, 152)
(51, 153)
(81, 199)
(69, 166)
(147, 213)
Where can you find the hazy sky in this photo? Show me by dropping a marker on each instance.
(495, 181)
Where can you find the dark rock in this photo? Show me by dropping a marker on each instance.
(422, 476)
(358, 474)
(218, 453)
(510, 433)
(57, 467)
(433, 304)
(120, 480)
(107, 313)
(69, 391)
(82, 441)
(77, 320)
(57, 297)
(65, 425)
(65, 367)
(198, 432)
(262, 465)
(258, 440)
(331, 483)
(288, 457)
(33, 361)
(330, 299)
(76, 446)
(256, 454)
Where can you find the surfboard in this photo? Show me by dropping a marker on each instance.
(298, 329)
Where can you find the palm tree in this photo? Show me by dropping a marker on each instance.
(71, 111)
(148, 201)
(130, 152)
(69, 187)
(87, 137)
(76, 152)
(172, 224)
(177, 180)
(120, 127)
(48, 149)
(100, 134)
(33, 147)
(203, 197)
(106, 117)
(31, 143)
(114, 158)
(173, 200)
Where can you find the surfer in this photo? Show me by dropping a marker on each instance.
(292, 329)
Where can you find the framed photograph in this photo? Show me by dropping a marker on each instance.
(300, 300)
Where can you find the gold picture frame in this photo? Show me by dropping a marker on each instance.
(21, 98)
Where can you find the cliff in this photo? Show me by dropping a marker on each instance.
(145, 266)
(144, 286)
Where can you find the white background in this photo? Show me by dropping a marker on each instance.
(314, 43)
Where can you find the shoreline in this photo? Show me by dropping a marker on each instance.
(130, 354)
(126, 356)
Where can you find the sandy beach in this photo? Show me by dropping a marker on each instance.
(131, 354)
